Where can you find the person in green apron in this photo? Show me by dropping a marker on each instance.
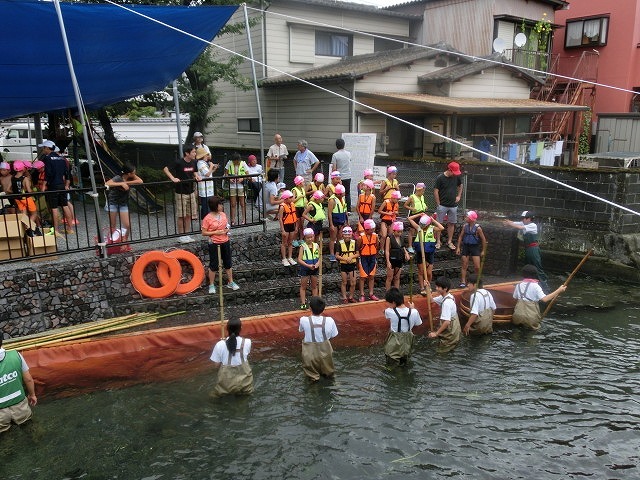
(230, 357)
(402, 319)
(17, 389)
(317, 352)
(449, 330)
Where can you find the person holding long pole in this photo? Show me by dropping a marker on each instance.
(528, 294)
(230, 357)
(216, 226)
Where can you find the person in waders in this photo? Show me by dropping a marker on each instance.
(528, 294)
(482, 307)
(402, 319)
(229, 356)
(449, 330)
(317, 352)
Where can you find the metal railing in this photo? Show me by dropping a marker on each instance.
(26, 235)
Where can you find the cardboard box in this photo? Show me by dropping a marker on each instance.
(11, 254)
(11, 227)
(42, 245)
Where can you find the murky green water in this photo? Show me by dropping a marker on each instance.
(559, 403)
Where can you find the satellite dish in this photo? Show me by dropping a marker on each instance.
(499, 45)
(520, 39)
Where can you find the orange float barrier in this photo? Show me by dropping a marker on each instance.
(164, 274)
(161, 258)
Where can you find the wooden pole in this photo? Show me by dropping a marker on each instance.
(411, 279)
(575, 270)
(479, 274)
(320, 266)
(221, 296)
(427, 288)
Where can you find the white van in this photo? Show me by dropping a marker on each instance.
(18, 142)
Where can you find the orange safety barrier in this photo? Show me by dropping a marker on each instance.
(164, 274)
(165, 289)
(178, 352)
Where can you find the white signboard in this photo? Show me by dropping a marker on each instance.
(363, 151)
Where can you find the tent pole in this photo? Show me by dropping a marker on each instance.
(176, 102)
(255, 81)
(87, 145)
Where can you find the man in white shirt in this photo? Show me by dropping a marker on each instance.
(277, 155)
(305, 161)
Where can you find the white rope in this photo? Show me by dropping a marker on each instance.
(356, 102)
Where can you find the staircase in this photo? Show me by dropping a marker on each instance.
(575, 88)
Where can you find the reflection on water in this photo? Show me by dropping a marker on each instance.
(558, 403)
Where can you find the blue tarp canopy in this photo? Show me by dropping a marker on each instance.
(116, 54)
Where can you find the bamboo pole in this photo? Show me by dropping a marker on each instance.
(427, 289)
(575, 270)
(320, 267)
(411, 279)
(220, 293)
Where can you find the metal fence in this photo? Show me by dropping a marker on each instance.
(25, 233)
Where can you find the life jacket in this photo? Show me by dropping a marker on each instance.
(393, 184)
(339, 205)
(240, 169)
(11, 389)
(289, 214)
(300, 197)
(425, 240)
(365, 203)
(389, 211)
(470, 234)
(310, 256)
(419, 203)
(318, 211)
(332, 189)
(347, 250)
(313, 187)
(369, 244)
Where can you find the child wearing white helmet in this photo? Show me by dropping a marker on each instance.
(368, 244)
(395, 254)
(337, 209)
(288, 219)
(425, 246)
(347, 254)
(309, 262)
(471, 243)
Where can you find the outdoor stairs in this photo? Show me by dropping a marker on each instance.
(267, 286)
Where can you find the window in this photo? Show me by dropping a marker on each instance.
(249, 125)
(334, 44)
(587, 32)
(384, 45)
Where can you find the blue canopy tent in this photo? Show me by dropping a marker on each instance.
(116, 54)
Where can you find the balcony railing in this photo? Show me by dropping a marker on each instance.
(533, 59)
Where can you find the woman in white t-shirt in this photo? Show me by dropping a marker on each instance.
(230, 356)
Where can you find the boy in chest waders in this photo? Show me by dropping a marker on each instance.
(528, 294)
(481, 308)
(399, 343)
(449, 330)
(317, 352)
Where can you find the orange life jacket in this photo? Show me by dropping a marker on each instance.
(369, 244)
(365, 203)
(390, 210)
(289, 214)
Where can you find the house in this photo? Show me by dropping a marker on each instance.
(600, 41)
(436, 86)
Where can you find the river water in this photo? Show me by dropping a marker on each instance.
(558, 403)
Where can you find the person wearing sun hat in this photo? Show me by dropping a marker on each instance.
(471, 243)
(447, 192)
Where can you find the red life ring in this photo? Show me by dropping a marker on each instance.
(164, 275)
(167, 287)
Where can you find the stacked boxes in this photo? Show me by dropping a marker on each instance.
(11, 237)
(41, 245)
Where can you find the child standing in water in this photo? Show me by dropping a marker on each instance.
(230, 357)
(481, 308)
(402, 319)
(528, 294)
(308, 261)
(449, 329)
(317, 352)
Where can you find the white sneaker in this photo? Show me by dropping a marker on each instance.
(186, 239)
(233, 286)
(285, 262)
(292, 261)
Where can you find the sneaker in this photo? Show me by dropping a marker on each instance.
(332, 258)
(351, 300)
(212, 288)
(233, 286)
(411, 250)
(38, 232)
(186, 239)
(285, 262)
(51, 231)
(292, 261)
(345, 300)
(362, 298)
(374, 298)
